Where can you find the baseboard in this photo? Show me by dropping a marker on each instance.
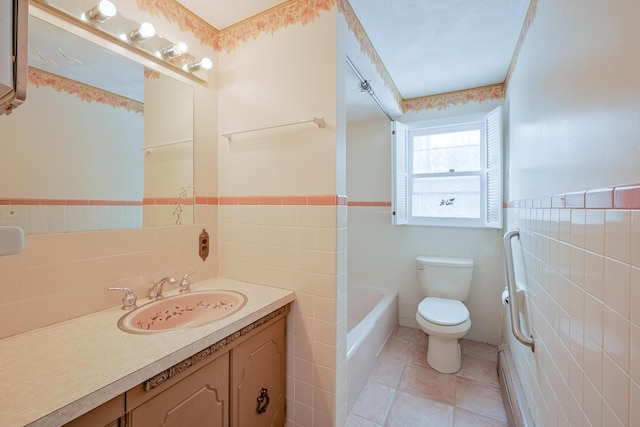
(515, 404)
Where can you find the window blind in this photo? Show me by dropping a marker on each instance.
(400, 184)
(493, 169)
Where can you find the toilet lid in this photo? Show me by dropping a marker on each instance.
(442, 311)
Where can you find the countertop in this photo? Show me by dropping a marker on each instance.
(54, 374)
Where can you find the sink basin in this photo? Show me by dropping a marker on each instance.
(182, 311)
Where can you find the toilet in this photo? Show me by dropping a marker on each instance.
(445, 282)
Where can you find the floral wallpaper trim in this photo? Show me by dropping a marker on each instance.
(83, 91)
(280, 16)
(444, 100)
(528, 21)
(227, 39)
(150, 74)
(174, 12)
(355, 26)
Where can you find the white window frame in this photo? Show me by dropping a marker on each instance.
(490, 173)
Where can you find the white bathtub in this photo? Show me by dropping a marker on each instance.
(372, 315)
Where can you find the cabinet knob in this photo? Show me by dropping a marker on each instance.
(263, 401)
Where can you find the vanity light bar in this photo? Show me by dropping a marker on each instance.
(142, 38)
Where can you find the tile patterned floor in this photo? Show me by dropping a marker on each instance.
(403, 391)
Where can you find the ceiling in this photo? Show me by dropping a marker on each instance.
(428, 46)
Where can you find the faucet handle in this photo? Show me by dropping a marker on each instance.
(128, 300)
(185, 284)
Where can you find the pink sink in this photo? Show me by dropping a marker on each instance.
(182, 311)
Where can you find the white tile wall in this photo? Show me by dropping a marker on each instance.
(300, 248)
(586, 367)
(43, 219)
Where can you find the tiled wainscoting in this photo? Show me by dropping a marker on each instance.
(63, 216)
(298, 243)
(579, 257)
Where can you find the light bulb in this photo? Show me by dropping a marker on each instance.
(203, 64)
(174, 51)
(142, 33)
(99, 13)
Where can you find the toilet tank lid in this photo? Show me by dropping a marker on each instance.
(444, 261)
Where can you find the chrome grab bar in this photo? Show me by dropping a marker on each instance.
(516, 328)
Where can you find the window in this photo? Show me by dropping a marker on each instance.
(448, 172)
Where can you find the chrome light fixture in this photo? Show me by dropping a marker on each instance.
(143, 32)
(174, 51)
(203, 64)
(99, 13)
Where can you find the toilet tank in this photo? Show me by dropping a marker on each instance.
(445, 277)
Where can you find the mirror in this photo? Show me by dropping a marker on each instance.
(101, 142)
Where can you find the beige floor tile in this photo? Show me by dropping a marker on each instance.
(374, 402)
(404, 334)
(405, 391)
(356, 421)
(421, 338)
(429, 383)
(409, 410)
(481, 398)
(418, 355)
(480, 370)
(464, 418)
(479, 350)
(396, 349)
(388, 372)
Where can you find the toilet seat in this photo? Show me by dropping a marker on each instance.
(443, 311)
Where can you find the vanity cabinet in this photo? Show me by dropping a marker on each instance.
(239, 381)
(258, 379)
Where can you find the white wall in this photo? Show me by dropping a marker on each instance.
(574, 100)
(52, 149)
(382, 255)
(573, 105)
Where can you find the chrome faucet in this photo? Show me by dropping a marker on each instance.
(155, 292)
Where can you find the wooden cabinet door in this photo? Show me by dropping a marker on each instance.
(259, 363)
(199, 400)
